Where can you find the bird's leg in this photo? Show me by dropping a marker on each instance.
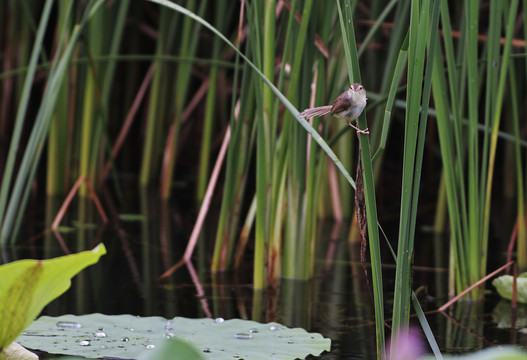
(365, 131)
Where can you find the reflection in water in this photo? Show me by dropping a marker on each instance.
(336, 302)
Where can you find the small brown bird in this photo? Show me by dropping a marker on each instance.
(348, 106)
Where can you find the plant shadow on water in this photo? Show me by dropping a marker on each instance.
(337, 302)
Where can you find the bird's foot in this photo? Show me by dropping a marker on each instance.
(365, 131)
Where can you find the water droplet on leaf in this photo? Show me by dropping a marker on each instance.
(168, 325)
(68, 325)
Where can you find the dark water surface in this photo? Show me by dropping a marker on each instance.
(337, 303)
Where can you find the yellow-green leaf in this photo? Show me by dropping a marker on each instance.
(29, 285)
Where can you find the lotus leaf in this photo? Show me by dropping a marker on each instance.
(133, 337)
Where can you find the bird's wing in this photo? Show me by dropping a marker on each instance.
(342, 103)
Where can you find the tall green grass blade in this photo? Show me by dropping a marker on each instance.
(398, 36)
(91, 106)
(496, 117)
(21, 113)
(415, 135)
(40, 130)
(117, 34)
(429, 27)
(418, 309)
(265, 142)
(426, 327)
(474, 202)
(211, 113)
(279, 262)
(492, 47)
(108, 84)
(180, 92)
(452, 149)
(237, 164)
(369, 187)
(279, 240)
(58, 154)
(520, 177)
(416, 56)
(398, 72)
(445, 129)
(157, 103)
(262, 158)
(297, 163)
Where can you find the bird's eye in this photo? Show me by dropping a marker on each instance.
(360, 87)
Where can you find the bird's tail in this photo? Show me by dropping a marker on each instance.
(318, 111)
